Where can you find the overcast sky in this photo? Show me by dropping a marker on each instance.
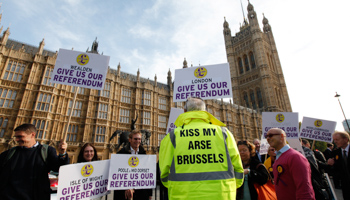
(312, 39)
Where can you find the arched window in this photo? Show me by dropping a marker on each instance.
(270, 64)
(278, 99)
(3, 125)
(246, 100)
(240, 64)
(260, 100)
(252, 98)
(273, 64)
(252, 60)
(246, 62)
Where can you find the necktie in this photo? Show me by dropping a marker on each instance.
(345, 158)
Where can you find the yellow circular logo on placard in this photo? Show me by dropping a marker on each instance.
(200, 72)
(280, 117)
(318, 123)
(133, 161)
(279, 169)
(82, 59)
(87, 170)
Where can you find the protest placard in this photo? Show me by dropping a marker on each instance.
(287, 121)
(317, 129)
(132, 172)
(295, 144)
(80, 69)
(174, 113)
(83, 180)
(206, 82)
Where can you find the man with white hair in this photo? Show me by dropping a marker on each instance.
(261, 158)
(200, 158)
(341, 161)
(292, 173)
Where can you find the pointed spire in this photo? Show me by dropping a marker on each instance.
(138, 74)
(155, 80)
(185, 64)
(253, 20)
(94, 47)
(41, 47)
(226, 25)
(170, 79)
(5, 36)
(169, 73)
(266, 25)
(118, 69)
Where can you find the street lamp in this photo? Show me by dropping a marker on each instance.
(337, 96)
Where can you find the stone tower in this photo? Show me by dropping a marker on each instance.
(256, 72)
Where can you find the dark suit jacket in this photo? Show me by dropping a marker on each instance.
(140, 194)
(327, 154)
(343, 171)
(262, 157)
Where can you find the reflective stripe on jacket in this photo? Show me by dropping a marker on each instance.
(200, 159)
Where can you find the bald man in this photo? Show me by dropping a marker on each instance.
(292, 173)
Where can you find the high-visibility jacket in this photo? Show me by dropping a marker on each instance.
(200, 159)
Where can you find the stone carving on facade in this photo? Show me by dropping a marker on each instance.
(11, 143)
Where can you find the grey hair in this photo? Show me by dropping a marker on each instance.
(194, 104)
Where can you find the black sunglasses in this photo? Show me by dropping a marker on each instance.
(271, 135)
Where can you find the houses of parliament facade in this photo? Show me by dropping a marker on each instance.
(28, 96)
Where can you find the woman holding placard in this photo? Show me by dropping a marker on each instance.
(87, 153)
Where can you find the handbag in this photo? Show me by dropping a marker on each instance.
(266, 191)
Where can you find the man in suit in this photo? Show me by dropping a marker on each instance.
(328, 152)
(133, 147)
(261, 158)
(341, 161)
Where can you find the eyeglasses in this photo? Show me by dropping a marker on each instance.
(242, 142)
(272, 150)
(271, 135)
(18, 137)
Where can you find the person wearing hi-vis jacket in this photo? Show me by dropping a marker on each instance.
(199, 159)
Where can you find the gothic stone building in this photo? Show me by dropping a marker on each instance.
(256, 72)
(27, 96)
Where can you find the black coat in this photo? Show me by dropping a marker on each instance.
(343, 171)
(327, 154)
(257, 175)
(25, 175)
(140, 194)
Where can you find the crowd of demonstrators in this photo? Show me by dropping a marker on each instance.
(133, 147)
(341, 162)
(24, 169)
(270, 160)
(254, 171)
(292, 173)
(199, 159)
